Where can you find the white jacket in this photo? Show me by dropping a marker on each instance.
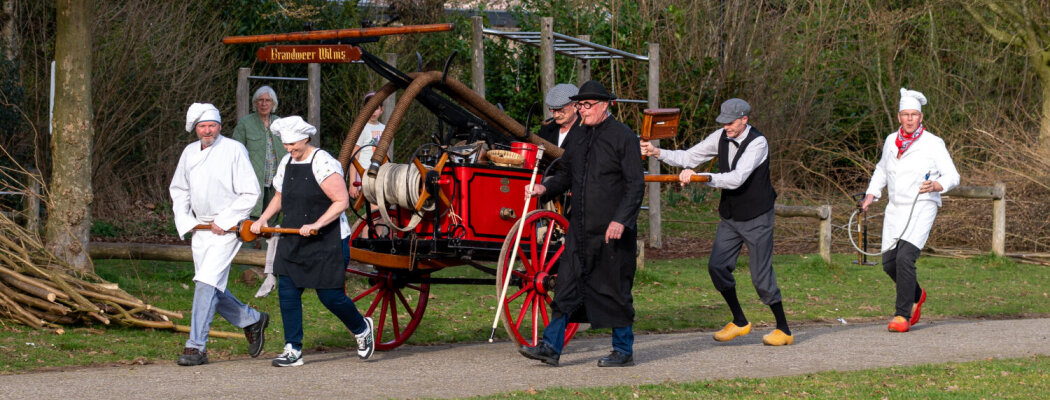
(902, 178)
(215, 184)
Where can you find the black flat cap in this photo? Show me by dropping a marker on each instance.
(593, 90)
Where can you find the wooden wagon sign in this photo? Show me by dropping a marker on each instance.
(303, 54)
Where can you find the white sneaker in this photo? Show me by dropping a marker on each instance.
(366, 344)
(290, 358)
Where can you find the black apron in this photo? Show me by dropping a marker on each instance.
(316, 261)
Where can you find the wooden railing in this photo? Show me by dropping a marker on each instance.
(821, 213)
(998, 195)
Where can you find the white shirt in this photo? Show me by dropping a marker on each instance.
(756, 153)
(216, 184)
(902, 179)
(369, 138)
(323, 166)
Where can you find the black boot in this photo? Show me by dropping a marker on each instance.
(616, 359)
(541, 352)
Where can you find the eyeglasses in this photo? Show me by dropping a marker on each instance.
(586, 106)
(910, 115)
(264, 100)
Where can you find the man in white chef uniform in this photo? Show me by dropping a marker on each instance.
(915, 169)
(214, 185)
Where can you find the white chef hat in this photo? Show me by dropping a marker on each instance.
(292, 129)
(201, 112)
(912, 100)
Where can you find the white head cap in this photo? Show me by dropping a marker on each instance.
(201, 112)
(912, 100)
(292, 129)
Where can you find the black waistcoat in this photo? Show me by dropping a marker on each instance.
(314, 261)
(756, 196)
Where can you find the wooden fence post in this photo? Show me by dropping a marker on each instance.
(999, 219)
(477, 55)
(655, 219)
(825, 232)
(546, 59)
(583, 66)
(243, 97)
(313, 108)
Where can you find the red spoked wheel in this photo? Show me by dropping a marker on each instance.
(395, 304)
(396, 301)
(526, 308)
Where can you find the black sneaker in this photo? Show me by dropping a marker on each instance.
(191, 356)
(366, 341)
(256, 334)
(541, 352)
(616, 359)
(290, 358)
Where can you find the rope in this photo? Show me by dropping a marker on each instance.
(399, 185)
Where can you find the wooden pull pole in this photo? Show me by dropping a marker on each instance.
(669, 178)
(244, 230)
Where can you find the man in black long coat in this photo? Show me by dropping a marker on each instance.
(604, 172)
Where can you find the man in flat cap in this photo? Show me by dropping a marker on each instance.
(596, 273)
(564, 123)
(214, 185)
(746, 209)
(563, 115)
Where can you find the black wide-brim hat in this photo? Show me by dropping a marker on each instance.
(593, 90)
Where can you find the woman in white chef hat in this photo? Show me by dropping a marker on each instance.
(311, 191)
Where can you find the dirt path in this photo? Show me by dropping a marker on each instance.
(482, 368)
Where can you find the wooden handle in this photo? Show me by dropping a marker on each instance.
(674, 178)
(244, 230)
(284, 230)
(337, 34)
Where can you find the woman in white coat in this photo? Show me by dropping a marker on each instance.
(915, 169)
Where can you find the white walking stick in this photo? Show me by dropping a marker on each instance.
(514, 250)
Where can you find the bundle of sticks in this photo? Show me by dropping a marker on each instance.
(44, 292)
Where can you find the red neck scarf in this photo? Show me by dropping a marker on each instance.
(904, 140)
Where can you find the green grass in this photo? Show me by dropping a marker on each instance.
(670, 295)
(1024, 378)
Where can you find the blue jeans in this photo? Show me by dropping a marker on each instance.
(554, 336)
(207, 300)
(335, 300)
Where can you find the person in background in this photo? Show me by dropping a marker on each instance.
(915, 169)
(253, 131)
(366, 144)
(214, 185)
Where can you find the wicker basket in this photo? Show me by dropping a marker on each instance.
(505, 158)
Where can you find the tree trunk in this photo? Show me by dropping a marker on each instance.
(8, 32)
(1044, 117)
(70, 194)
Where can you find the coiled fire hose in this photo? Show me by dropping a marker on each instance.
(849, 226)
(396, 184)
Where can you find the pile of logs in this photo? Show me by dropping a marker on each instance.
(42, 291)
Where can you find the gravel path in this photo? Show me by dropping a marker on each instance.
(483, 368)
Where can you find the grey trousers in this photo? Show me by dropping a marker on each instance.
(757, 235)
(899, 264)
